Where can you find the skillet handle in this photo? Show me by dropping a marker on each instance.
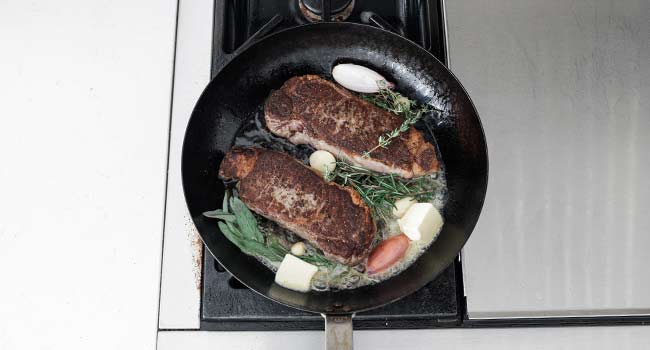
(338, 332)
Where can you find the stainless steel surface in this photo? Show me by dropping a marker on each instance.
(563, 91)
(338, 332)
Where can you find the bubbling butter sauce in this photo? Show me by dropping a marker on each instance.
(339, 277)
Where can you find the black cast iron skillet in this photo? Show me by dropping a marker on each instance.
(238, 91)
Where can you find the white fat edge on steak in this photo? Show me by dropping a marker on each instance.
(368, 163)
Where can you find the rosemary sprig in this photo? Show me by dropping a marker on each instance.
(401, 105)
(240, 226)
(379, 191)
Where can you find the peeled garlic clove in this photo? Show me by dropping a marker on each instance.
(358, 78)
(322, 161)
(298, 249)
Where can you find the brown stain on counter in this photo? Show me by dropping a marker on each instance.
(197, 250)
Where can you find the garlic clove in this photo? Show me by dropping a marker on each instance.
(322, 161)
(298, 249)
(358, 78)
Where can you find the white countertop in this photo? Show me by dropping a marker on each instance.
(569, 338)
(86, 92)
(180, 296)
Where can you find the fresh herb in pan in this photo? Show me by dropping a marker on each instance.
(401, 105)
(390, 100)
(240, 226)
(317, 259)
(380, 190)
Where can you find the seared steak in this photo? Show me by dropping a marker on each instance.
(311, 110)
(332, 217)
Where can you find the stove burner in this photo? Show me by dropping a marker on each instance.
(312, 9)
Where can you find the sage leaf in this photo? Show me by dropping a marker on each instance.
(246, 220)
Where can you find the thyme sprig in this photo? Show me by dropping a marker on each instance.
(401, 105)
(379, 191)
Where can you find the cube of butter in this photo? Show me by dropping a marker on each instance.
(401, 206)
(295, 274)
(422, 221)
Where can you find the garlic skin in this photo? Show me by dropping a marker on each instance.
(358, 78)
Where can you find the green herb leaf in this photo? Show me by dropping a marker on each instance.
(224, 204)
(240, 227)
(250, 247)
(317, 259)
(260, 249)
(220, 214)
(379, 190)
(274, 244)
(235, 230)
(229, 234)
(246, 220)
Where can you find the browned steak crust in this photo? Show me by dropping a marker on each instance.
(311, 110)
(332, 217)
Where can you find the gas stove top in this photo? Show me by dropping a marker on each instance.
(238, 20)
(226, 303)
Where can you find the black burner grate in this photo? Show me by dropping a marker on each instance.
(237, 20)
